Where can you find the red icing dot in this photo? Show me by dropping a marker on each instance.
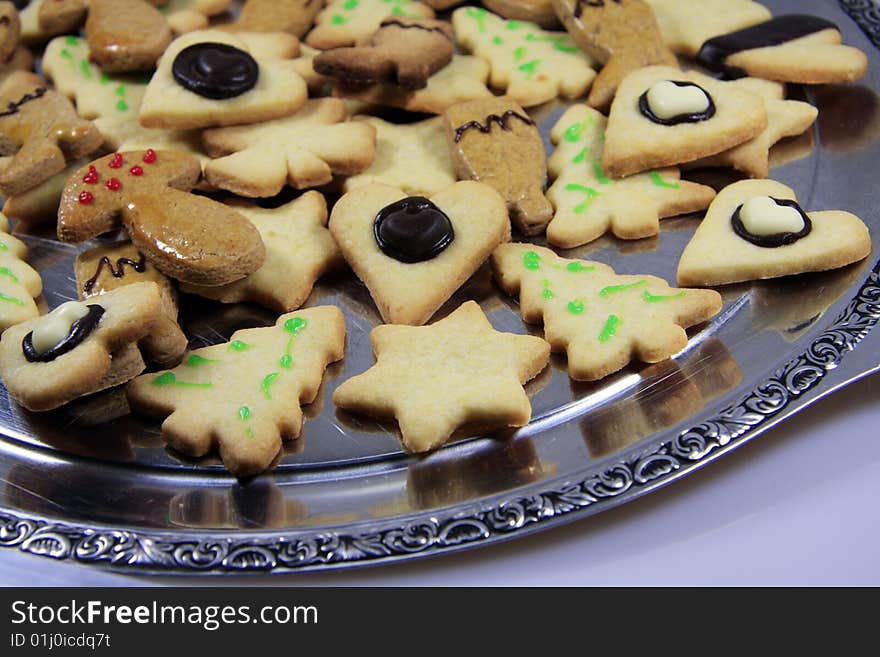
(150, 156)
(113, 184)
(136, 171)
(92, 176)
(116, 162)
(86, 197)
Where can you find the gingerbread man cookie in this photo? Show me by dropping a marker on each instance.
(304, 150)
(600, 319)
(293, 16)
(496, 142)
(621, 34)
(51, 360)
(755, 229)
(41, 130)
(244, 396)
(126, 35)
(402, 50)
(190, 238)
(347, 22)
(455, 374)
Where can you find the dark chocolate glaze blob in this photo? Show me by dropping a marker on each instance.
(776, 239)
(774, 32)
(696, 117)
(412, 230)
(21, 4)
(215, 70)
(79, 331)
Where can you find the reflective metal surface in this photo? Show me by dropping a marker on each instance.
(95, 485)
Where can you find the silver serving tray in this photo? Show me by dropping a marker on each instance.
(95, 485)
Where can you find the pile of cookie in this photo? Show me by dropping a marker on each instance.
(157, 131)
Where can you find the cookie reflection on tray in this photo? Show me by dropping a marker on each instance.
(256, 504)
(667, 394)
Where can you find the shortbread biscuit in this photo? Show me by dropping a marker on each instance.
(43, 19)
(244, 396)
(126, 35)
(622, 35)
(686, 24)
(305, 149)
(51, 360)
(210, 78)
(715, 116)
(41, 130)
(348, 22)
(299, 249)
(791, 48)
(187, 237)
(529, 64)
(495, 142)
(464, 78)
(455, 374)
(403, 51)
(755, 229)
(39, 205)
(411, 156)
(785, 118)
(111, 266)
(588, 203)
(411, 252)
(20, 284)
(600, 319)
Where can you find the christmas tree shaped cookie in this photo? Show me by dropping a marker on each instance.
(530, 64)
(244, 395)
(20, 284)
(455, 373)
(600, 319)
(755, 229)
(588, 203)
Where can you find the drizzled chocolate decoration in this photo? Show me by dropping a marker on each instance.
(696, 117)
(502, 122)
(139, 265)
(774, 32)
(412, 230)
(13, 106)
(413, 26)
(215, 70)
(776, 239)
(79, 331)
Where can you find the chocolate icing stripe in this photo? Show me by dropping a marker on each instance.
(774, 32)
(139, 266)
(13, 106)
(413, 26)
(500, 120)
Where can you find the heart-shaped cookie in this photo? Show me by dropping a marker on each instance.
(412, 252)
(740, 240)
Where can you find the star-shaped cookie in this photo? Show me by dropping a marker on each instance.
(437, 379)
(299, 249)
(305, 149)
(600, 319)
(719, 254)
(412, 156)
(588, 203)
(528, 63)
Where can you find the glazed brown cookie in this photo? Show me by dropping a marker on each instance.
(402, 50)
(292, 16)
(541, 12)
(60, 16)
(41, 130)
(10, 30)
(494, 141)
(623, 35)
(126, 35)
(191, 238)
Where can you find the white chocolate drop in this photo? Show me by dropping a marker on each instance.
(56, 325)
(667, 100)
(761, 216)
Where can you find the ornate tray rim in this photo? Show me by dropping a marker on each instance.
(631, 475)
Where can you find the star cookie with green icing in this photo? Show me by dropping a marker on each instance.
(299, 249)
(348, 22)
(305, 149)
(244, 396)
(755, 229)
(588, 203)
(20, 284)
(528, 63)
(456, 374)
(600, 319)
